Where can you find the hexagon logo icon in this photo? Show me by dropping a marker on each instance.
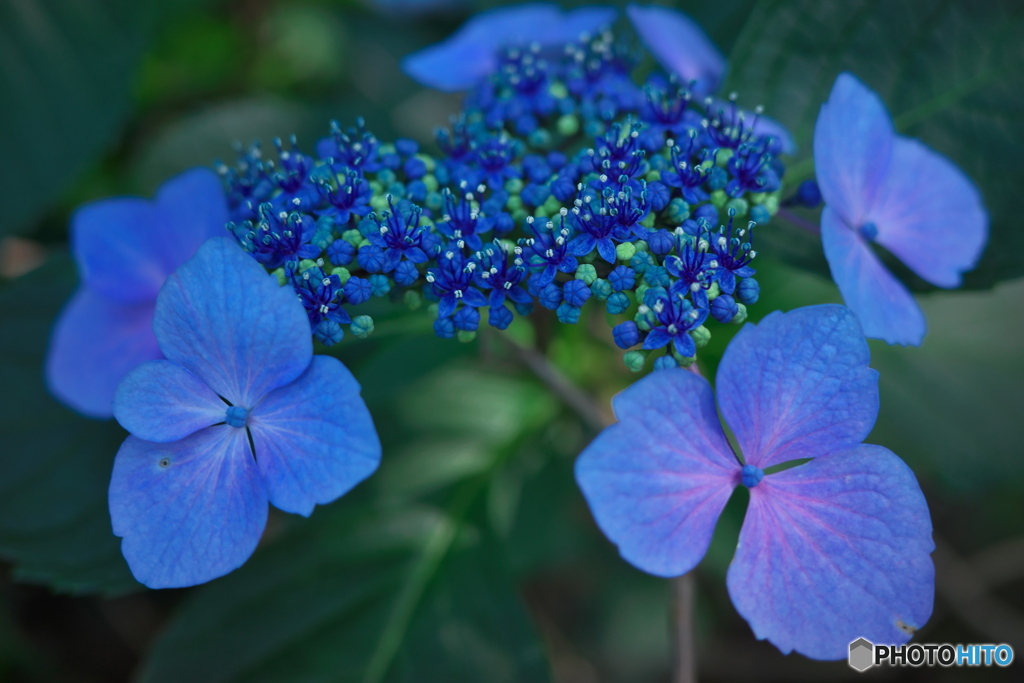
(862, 654)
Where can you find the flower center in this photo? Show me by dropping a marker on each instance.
(751, 475)
(236, 416)
(869, 231)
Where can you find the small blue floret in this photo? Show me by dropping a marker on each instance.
(751, 475)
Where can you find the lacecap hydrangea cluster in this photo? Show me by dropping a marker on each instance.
(562, 182)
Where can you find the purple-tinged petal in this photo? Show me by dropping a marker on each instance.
(223, 318)
(471, 53)
(190, 510)
(657, 480)
(162, 401)
(929, 214)
(126, 247)
(852, 144)
(95, 343)
(314, 438)
(798, 385)
(680, 45)
(885, 308)
(835, 550)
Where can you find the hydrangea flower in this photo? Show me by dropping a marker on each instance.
(472, 52)
(885, 188)
(830, 550)
(239, 414)
(125, 248)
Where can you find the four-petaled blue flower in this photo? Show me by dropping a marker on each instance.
(831, 550)
(882, 187)
(238, 415)
(125, 248)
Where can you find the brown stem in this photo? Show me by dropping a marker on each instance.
(684, 653)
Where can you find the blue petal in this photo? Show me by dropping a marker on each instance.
(798, 385)
(657, 338)
(95, 343)
(126, 247)
(684, 345)
(657, 480)
(188, 511)
(162, 401)
(470, 54)
(885, 308)
(929, 214)
(226, 320)
(852, 143)
(314, 438)
(606, 248)
(680, 45)
(835, 550)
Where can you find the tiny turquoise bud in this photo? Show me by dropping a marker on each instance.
(587, 273)
(665, 363)
(656, 276)
(602, 289)
(718, 178)
(567, 313)
(329, 332)
(641, 260)
(634, 360)
(362, 326)
(380, 284)
(412, 299)
(760, 215)
(751, 475)
(645, 318)
(618, 303)
(678, 210)
(539, 138)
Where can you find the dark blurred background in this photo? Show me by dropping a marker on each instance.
(471, 555)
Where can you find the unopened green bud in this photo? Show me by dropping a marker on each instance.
(342, 274)
(723, 156)
(558, 90)
(678, 210)
(281, 276)
(430, 180)
(305, 264)
(428, 161)
(465, 336)
(568, 125)
(353, 237)
(739, 205)
(634, 360)
(719, 198)
(713, 291)
(587, 273)
(362, 326)
(514, 186)
(412, 299)
(551, 206)
(625, 251)
(701, 336)
(741, 314)
(601, 288)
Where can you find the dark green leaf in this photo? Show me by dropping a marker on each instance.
(948, 71)
(66, 72)
(54, 465)
(318, 605)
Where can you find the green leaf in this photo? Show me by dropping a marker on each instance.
(54, 465)
(949, 73)
(66, 71)
(356, 594)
